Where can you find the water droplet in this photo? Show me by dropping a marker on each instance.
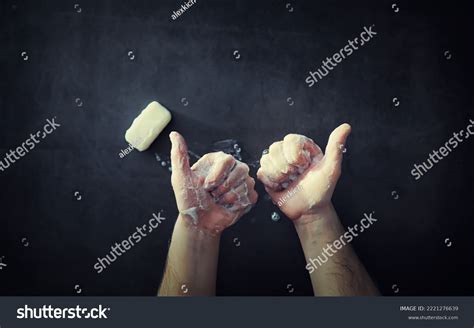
(79, 102)
(78, 196)
(448, 242)
(396, 102)
(275, 216)
(2, 265)
(25, 242)
(236, 242)
(163, 163)
(78, 8)
(236, 54)
(447, 54)
(170, 169)
(265, 151)
(395, 288)
(24, 55)
(290, 288)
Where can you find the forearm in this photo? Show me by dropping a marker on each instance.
(335, 271)
(191, 267)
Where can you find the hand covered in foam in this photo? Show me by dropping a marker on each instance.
(298, 177)
(215, 192)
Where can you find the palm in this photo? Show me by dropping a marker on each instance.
(312, 190)
(199, 205)
(317, 176)
(197, 189)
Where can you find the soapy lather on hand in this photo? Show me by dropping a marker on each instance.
(215, 192)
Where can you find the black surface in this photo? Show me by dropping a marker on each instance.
(85, 55)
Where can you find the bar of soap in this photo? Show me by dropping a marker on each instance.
(147, 126)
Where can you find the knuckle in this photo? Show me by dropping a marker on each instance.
(251, 183)
(255, 197)
(292, 137)
(264, 160)
(245, 168)
(228, 157)
(205, 156)
(274, 147)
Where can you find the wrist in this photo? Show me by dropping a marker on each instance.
(318, 225)
(315, 215)
(196, 231)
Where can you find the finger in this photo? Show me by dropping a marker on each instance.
(269, 164)
(336, 143)
(299, 150)
(235, 178)
(219, 171)
(253, 197)
(262, 176)
(203, 165)
(179, 159)
(280, 163)
(239, 195)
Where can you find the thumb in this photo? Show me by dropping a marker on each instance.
(336, 143)
(179, 158)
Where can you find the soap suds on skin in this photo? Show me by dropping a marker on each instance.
(311, 160)
(192, 212)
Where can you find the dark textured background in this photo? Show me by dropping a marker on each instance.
(84, 55)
